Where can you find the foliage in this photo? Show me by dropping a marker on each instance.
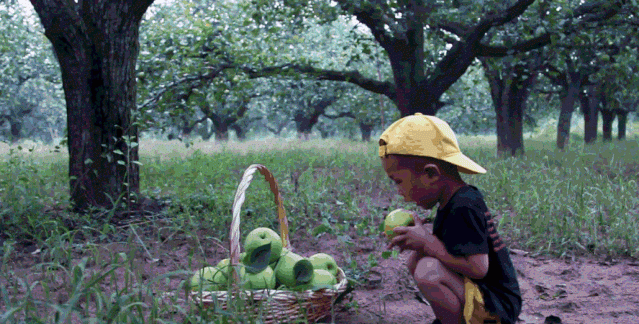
(31, 103)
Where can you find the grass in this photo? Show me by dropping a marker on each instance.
(582, 201)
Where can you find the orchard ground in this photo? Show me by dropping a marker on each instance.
(570, 219)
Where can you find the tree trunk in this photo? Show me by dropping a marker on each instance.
(622, 119)
(96, 44)
(366, 130)
(565, 114)
(239, 132)
(305, 121)
(589, 103)
(509, 91)
(305, 136)
(608, 117)
(221, 133)
(16, 126)
(407, 62)
(519, 96)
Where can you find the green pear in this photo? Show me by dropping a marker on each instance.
(324, 261)
(261, 236)
(262, 280)
(321, 279)
(210, 278)
(293, 269)
(223, 263)
(227, 261)
(398, 217)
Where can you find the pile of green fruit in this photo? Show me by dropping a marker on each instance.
(265, 264)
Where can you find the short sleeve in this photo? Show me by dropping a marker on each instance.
(465, 232)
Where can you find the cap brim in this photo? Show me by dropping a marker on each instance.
(464, 164)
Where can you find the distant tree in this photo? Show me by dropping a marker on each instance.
(29, 96)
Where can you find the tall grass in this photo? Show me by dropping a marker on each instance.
(580, 201)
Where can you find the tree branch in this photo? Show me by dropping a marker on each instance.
(501, 51)
(197, 81)
(354, 77)
(373, 15)
(344, 114)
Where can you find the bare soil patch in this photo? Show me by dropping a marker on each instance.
(579, 290)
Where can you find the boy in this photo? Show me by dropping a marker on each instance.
(463, 268)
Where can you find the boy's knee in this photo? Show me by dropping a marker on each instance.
(428, 271)
(413, 258)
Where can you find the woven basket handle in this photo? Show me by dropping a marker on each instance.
(247, 177)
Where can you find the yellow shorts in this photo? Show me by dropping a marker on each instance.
(474, 311)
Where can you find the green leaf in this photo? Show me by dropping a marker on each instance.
(303, 271)
(258, 259)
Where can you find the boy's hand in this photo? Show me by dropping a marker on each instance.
(413, 237)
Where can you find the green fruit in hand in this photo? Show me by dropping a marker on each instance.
(293, 269)
(324, 261)
(262, 280)
(261, 236)
(321, 277)
(397, 217)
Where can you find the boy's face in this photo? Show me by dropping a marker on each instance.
(422, 189)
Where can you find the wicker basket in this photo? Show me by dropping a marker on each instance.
(273, 306)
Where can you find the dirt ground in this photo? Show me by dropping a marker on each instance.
(583, 290)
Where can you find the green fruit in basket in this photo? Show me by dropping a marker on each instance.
(293, 269)
(324, 261)
(262, 280)
(209, 278)
(321, 279)
(261, 236)
(223, 263)
(397, 217)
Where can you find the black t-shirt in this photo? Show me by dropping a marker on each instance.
(466, 227)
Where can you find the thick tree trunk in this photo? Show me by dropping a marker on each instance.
(509, 91)
(622, 119)
(96, 44)
(608, 117)
(589, 103)
(565, 114)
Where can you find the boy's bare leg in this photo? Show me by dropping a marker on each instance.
(443, 288)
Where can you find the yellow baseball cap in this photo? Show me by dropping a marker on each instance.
(423, 135)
